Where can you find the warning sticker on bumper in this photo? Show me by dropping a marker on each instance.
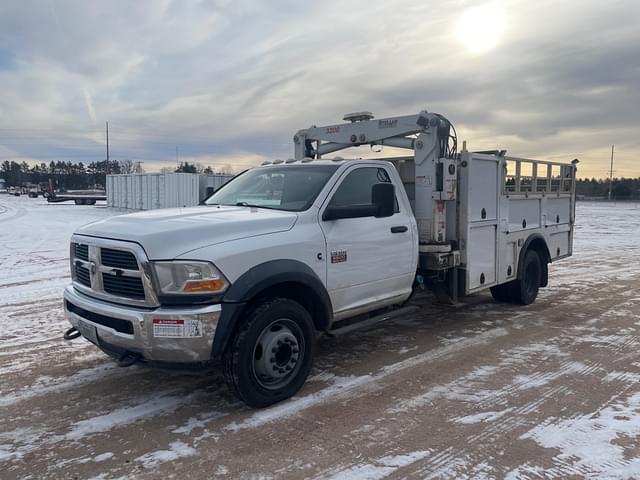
(169, 328)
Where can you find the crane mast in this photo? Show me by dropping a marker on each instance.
(431, 168)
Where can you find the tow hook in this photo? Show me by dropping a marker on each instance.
(127, 359)
(71, 334)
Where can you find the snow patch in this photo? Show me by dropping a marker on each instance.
(123, 416)
(176, 450)
(481, 417)
(103, 456)
(378, 469)
(588, 443)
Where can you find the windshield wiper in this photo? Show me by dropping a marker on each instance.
(245, 204)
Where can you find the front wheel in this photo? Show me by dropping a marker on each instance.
(270, 356)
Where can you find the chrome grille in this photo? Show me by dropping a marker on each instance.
(118, 259)
(112, 270)
(123, 286)
(82, 275)
(81, 251)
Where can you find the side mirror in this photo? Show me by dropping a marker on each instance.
(333, 212)
(383, 196)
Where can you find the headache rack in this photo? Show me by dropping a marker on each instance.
(524, 176)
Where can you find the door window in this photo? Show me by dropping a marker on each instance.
(355, 189)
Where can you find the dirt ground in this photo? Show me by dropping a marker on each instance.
(488, 390)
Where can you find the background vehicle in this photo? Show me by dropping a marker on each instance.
(79, 197)
(295, 247)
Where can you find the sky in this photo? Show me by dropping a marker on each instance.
(228, 83)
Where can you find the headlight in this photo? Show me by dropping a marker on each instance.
(190, 278)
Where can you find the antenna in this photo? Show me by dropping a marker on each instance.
(611, 172)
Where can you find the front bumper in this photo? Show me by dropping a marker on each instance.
(145, 332)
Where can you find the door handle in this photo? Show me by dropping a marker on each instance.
(399, 229)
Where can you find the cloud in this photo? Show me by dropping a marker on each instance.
(236, 79)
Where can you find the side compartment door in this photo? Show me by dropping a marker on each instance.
(369, 259)
(479, 200)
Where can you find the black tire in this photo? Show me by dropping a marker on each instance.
(282, 329)
(502, 293)
(90, 202)
(525, 290)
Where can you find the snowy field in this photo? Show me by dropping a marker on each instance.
(486, 391)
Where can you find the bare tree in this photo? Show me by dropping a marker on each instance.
(127, 166)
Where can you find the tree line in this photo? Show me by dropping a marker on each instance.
(622, 188)
(64, 175)
(70, 176)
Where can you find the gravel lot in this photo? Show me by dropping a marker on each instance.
(484, 391)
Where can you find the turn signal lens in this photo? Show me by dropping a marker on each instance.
(204, 286)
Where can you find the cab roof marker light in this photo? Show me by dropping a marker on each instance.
(268, 162)
(307, 160)
(290, 160)
(277, 162)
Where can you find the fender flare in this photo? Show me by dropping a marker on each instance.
(256, 280)
(545, 257)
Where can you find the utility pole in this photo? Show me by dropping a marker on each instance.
(611, 174)
(108, 166)
(177, 158)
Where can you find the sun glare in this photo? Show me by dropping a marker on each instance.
(480, 28)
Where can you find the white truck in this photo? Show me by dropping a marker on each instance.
(292, 248)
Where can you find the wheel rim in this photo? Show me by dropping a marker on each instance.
(278, 354)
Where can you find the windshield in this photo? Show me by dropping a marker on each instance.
(292, 188)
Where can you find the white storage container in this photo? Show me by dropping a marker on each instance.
(211, 183)
(150, 191)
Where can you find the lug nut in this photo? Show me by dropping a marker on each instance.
(274, 350)
(288, 367)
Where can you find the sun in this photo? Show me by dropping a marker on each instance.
(480, 28)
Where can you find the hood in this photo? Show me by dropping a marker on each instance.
(168, 233)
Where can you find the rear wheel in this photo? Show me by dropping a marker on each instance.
(525, 289)
(79, 201)
(270, 356)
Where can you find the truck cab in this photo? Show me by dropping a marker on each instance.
(290, 249)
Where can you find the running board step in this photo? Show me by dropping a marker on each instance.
(373, 320)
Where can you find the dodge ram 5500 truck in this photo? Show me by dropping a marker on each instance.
(292, 248)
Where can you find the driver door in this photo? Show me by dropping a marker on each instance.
(369, 259)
